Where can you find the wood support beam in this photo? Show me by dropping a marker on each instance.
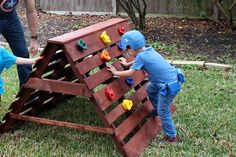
(58, 86)
(62, 124)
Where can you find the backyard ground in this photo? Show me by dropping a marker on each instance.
(202, 39)
(205, 108)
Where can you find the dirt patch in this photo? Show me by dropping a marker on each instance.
(197, 37)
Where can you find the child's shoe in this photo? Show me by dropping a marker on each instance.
(172, 139)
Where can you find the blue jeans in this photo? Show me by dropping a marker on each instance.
(162, 106)
(12, 31)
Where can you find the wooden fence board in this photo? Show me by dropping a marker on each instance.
(173, 7)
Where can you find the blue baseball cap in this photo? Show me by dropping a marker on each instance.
(134, 39)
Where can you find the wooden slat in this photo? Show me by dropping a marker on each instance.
(56, 62)
(101, 76)
(132, 121)
(138, 96)
(119, 87)
(98, 78)
(104, 75)
(59, 73)
(18, 107)
(44, 95)
(62, 124)
(58, 86)
(93, 42)
(68, 37)
(142, 138)
(72, 65)
(49, 51)
(95, 61)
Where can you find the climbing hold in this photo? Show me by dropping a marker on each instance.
(129, 81)
(109, 93)
(121, 30)
(119, 46)
(82, 45)
(105, 56)
(127, 104)
(105, 38)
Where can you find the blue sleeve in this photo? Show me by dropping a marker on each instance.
(9, 58)
(138, 63)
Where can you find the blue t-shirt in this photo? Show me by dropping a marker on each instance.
(158, 69)
(7, 59)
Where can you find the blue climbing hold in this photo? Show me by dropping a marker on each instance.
(129, 81)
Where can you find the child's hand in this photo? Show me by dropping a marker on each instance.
(123, 61)
(37, 59)
(112, 69)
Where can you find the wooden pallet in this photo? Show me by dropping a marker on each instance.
(66, 72)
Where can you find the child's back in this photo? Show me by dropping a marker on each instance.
(158, 69)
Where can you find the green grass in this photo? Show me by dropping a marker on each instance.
(205, 120)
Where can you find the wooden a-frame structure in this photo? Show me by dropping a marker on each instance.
(66, 72)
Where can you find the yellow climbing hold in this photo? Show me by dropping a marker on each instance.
(127, 104)
(105, 38)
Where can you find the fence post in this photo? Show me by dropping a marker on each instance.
(215, 12)
(114, 8)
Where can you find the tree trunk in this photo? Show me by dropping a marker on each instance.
(133, 7)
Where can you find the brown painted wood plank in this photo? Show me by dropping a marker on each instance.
(58, 86)
(72, 65)
(48, 54)
(138, 96)
(57, 62)
(67, 72)
(62, 124)
(101, 76)
(94, 42)
(95, 61)
(68, 37)
(56, 100)
(9, 122)
(132, 121)
(44, 95)
(119, 87)
(142, 138)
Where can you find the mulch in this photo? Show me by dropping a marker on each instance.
(197, 37)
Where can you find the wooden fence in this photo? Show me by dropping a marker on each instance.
(99, 7)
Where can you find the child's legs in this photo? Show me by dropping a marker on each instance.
(152, 91)
(14, 35)
(163, 109)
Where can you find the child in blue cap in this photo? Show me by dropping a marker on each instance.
(164, 80)
(7, 59)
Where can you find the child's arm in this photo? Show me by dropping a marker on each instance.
(113, 70)
(20, 60)
(125, 63)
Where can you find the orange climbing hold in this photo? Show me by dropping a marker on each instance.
(105, 56)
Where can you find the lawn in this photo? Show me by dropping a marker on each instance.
(205, 120)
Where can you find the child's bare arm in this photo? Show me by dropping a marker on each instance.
(113, 70)
(125, 63)
(20, 60)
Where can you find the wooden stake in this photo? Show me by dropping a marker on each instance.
(216, 65)
(201, 63)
